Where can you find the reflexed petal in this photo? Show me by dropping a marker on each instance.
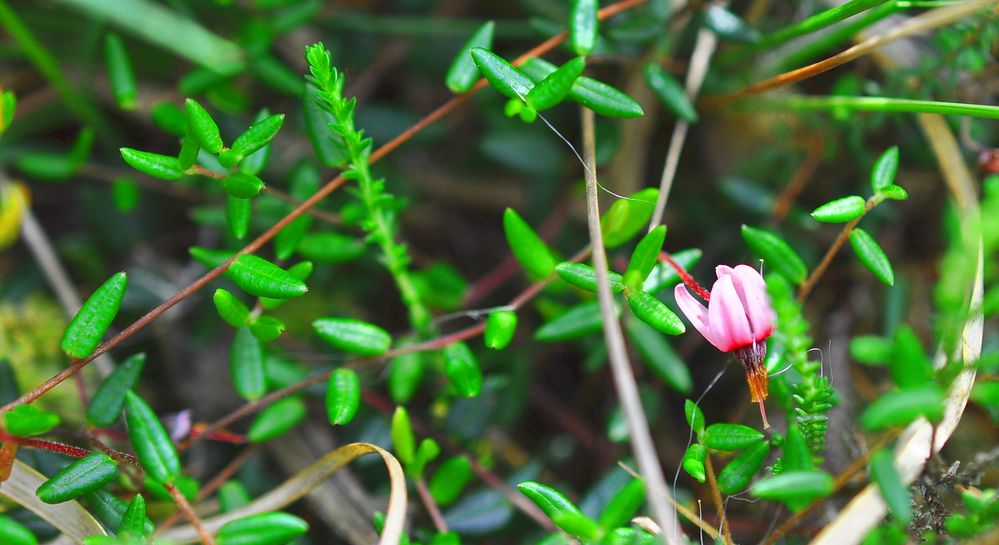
(727, 317)
(753, 293)
(693, 310)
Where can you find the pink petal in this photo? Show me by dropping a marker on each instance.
(727, 317)
(693, 310)
(753, 293)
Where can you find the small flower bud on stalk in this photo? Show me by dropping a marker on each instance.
(738, 319)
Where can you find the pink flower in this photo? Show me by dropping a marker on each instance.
(738, 314)
(738, 319)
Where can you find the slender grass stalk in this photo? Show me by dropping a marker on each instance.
(421, 26)
(819, 21)
(875, 104)
(837, 36)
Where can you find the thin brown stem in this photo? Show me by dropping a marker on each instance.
(709, 471)
(302, 208)
(192, 517)
(431, 506)
(215, 483)
(844, 234)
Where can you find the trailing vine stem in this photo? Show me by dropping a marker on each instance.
(379, 205)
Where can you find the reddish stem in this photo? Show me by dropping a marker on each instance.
(685, 276)
(51, 446)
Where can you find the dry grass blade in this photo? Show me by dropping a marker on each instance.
(304, 481)
(69, 517)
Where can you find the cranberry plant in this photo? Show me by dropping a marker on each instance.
(278, 255)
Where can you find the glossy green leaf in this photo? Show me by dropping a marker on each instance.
(462, 369)
(404, 376)
(46, 165)
(797, 456)
(595, 95)
(885, 169)
(232, 496)
(693, 461)
(664, 276)
(190, 147)
(659, 355)
(28, 420)
(899, 408)
(208, 257)
(403, 440)
(150, 440)
(159, 166)
(8, 104)
(728, 25)
(125, 194)
(329, 147)
(777, 255)
(669, 91)
(795, 486)
(277, 419)
(169, 118)
(556, 86)
(331, 248)
(731, 437)
(203, 126)
(13, 533)
(909, 366)
(109, 399)
(94, 318)
(353, 336)
(871, 349)
(500, 328)
(246, 365)
(501, 75)
(119, 72)
(133, 522)
(872, 256)
(260, 277)
(579, 321)
(624, 505)
(532, 252)
(450, 479)
(655, 313)
(551, 501)
(629, 536)
(583, 26)
(463, 72)
(242, 186)
(84, 475)
(894, 492)
(695, 417)
(427, 452)
(258, 135)
(263, 529)
(644, 258)
(301, 270)
(894, 192)
(266, 328)
(578, 526)
(237, 215)
(110, 510)
(627, 217)
(986, 393)
(231, 309)
(343, 396)
(82, 147)
(584, 277)
(737, 473)
(840, 210)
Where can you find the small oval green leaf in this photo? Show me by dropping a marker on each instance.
(896, 409)
(231, 309)
(795, 486)
(242, 185)
(624, 505)
(257, 136)
(133, 522)
(462, 369)
(776, 254)
(204, 127)
(551, 501)
(655, 313)
(556, 86)
(232, 496)
(664, 276)
(731, 437)
(463, 72)
(94, 318)
(893, 490)
(84, 475)
(119, 72)
(627, 217)
(737, 474)
(885, 169)
(237, 215)
(246, 365)
(584, 277)
(266, 328)
(644, 258)
(500, 328)
(405, 376)
(578, 525)
(583, 26)
(695, 417)
(909, 366)
(331, 248)
(577, 322)
(263, 529)
(353, 336)
(28, 420)
(871, 349)
(659, 355)
(693, 461)
(872, 256)
(159, 166)
(343, 396)
(450, 479)
(260, 277)
(109, 399)
(797, 456)
(840, 210)
(13, 533)
(532, 252)
(150, 440)
(403, 440)
(670, 92)
(276, 420)
(501, 75)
